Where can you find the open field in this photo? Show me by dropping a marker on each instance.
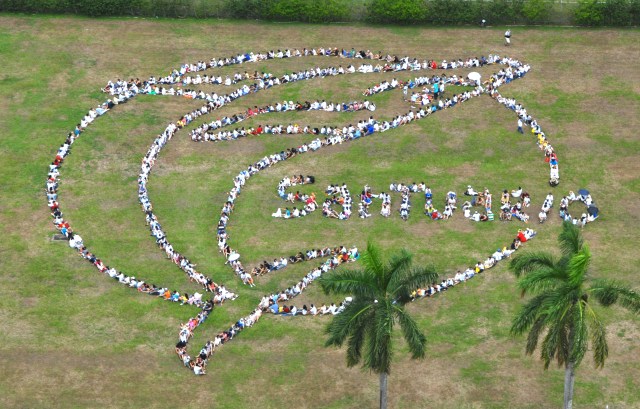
(72, 338)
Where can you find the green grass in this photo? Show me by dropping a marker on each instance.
(73, 338)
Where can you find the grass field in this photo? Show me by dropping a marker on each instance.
(71, 338)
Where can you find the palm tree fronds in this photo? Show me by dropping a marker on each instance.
(354, 345)
(540, 280)
(378, 348)
(398, 268)
(598, 338)
(400, 264)
(415, 338)
(578, 265)
(570, 239)
(372, 261)
(559, 302)
(349, 321)
(524, 263)
(578, 334)
(561, 305)
(534, 335)
(556, 344)
(608, 292)
(401, 287)
(360, 284)
(528, 315)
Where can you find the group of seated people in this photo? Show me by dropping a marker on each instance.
(75, 240)
(307, 201)
(541, 139)
(405, 191)
(405, 204)
(284, 309)
(156, 229)
(367, 196)
(122, 91)
(216, 101)
(408, 64)
(590, 215)
(335, 136)
(450, 205)
(391, 63)
(340, 195)
(277, 264)
(508, 210)
(274, 303)
(337, 195)
(366, 200)
(154, 86)
(217, 80)
(479, 267)
(484, 199)
(337, 256)
(292, 310)
(427, 95)
(199, 364)
(205, 132)
(266, 267)
(546, 208)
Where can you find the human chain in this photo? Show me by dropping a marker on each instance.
(123, 91)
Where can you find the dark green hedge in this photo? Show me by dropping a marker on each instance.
(310, 11)
(608, 13)
(438, 12)
(82, 7)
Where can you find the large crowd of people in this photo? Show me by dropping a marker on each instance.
(206, 132)
(280, 303)
(431, 98)
(591, 213)
(76, 242)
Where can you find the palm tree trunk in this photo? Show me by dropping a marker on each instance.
(383, 390)
(569, 378)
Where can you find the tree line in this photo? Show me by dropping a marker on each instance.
(618, 13)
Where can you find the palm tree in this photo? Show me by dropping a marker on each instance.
(563, 305)
(380, 291)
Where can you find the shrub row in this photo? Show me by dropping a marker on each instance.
(438, 12)
(608, 13)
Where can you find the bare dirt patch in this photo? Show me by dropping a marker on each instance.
(625, 169)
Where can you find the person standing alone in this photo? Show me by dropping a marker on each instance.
(507, 37)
